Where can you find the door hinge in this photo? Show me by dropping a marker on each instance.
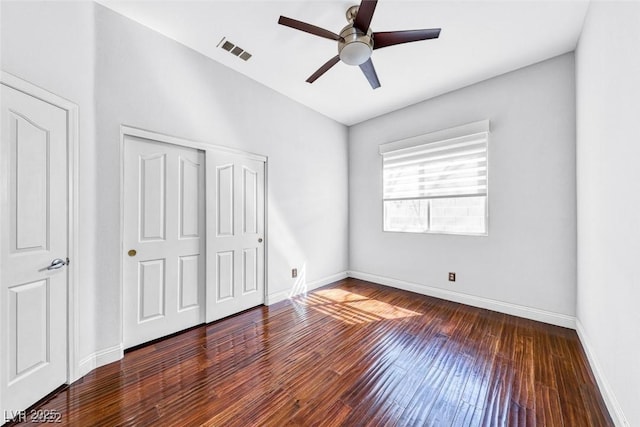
(68, 261)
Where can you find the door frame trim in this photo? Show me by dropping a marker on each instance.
(209, 150)
(73, 233)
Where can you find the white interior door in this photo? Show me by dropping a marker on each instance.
(164, 239)
(33, 249)
(236, 281)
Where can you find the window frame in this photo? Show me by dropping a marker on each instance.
(482, 126)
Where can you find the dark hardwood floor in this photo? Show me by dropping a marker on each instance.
(350, 354)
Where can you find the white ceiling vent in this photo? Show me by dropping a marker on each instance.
(234, 49)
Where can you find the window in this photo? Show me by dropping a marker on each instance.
(437, 183)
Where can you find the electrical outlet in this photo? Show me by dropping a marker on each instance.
(452, 277)
(294, 272)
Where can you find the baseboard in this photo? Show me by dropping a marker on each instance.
(475, 301)
(615, 410)
(301, 288)
(100, 358)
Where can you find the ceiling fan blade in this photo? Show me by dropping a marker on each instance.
(365, 13)
(308, 28)
(370, 74)
(330, 63)
(391, 38)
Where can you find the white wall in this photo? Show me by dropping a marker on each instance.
(51, 45)
(119, 72)
(608, 153)
(529, 257)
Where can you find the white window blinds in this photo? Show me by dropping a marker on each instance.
(437, 183)
(452, 167)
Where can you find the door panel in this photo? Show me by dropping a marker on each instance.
(224, 281)
(250, 201)
(249, 270)
(152, 197)
(33, 226)
(152, 289)
(189, 268)
(30, 172)
(238, 242)
(164, 238)
(189, 201)
(224, 199)
(29, 327)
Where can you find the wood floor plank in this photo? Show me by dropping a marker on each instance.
(350, 354)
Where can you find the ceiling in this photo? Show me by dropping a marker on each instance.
(479, 40)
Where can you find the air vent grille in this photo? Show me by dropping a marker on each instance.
(234, 49)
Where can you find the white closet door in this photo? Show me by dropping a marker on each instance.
(164, 239)
(236, 272)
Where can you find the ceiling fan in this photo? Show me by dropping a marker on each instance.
(356, 41)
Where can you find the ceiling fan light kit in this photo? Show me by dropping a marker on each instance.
(354, 47)
(356, 41)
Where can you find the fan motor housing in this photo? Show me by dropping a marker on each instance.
(355, 47)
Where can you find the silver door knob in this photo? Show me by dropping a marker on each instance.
(56, 264)
(260, 240)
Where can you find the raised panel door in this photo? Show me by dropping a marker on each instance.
(33, 226)
(164, 239)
